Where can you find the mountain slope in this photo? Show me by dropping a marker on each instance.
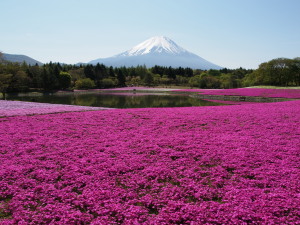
(20, 59)
(160, 51)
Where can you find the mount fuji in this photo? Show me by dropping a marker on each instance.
(161, 51)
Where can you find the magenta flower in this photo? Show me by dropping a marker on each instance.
(235, 164)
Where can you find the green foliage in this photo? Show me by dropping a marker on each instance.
(228, 80)
(85, 83)
(181, 80)
(121, 78)
(135, 81)
(5, 80)
(208, 81)
(279, 72)
(195, 81)
(54, 76)
(20, 81)
(148, 79)
(1, 57)
(64, 80)
(108, 83)
(76, 74)
(214, 73)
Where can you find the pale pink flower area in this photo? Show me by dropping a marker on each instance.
(151, 89)
(255, 92)
(235, 164)
(127, 93)
(19, 108)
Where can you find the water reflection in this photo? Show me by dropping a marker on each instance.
(117, 100)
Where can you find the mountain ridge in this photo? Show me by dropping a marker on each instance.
(16, 58)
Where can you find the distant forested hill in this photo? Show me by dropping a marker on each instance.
(20, 59)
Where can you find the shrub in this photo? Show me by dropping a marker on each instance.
(85, 83)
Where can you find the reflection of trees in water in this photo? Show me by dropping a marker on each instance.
(121, 101)
(86, 100)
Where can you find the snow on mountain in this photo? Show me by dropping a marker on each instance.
(160, 51)
(158, 44)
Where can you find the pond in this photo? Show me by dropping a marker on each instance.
(116, 100)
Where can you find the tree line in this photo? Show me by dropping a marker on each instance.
(278, 72)
(15, 77)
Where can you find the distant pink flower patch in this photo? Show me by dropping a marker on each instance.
(255, 92)
(139, 89)
(19, 108)
(131, 93)
(127, 88)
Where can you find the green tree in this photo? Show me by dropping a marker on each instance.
(111, 72)
(136, 81)
(85, 83)
(35, 75)
(121, 78)
(295, 71)
(181, 80)
(1, 57)
(275, 72)
(20, 82)
(148, 79)
(165, 80)
(64, 80)
(141, 71)
(5, 81)
(100, 73)
(108, 83)
(228, 80)
(89, 72)
(214, 73)
(195, 81)
(76, 74)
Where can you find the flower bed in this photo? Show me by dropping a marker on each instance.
(255, 92)
(19, 108)
(210, 165)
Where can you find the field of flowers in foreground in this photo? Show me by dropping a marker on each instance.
(19, 108)
(258, 92)
(209, 165)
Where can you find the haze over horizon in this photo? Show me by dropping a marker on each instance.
(230, 33)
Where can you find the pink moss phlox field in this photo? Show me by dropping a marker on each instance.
(19, 108)
(127, 88)
(197, 165)
(258, 92)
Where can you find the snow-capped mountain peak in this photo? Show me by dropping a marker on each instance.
(161, 51)
(158, 44)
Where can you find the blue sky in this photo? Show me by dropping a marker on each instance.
(230, 33)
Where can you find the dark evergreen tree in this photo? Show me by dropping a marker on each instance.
(121, 78)
(188, 72)
(111, 72)
(89, 72)
(170, 73)
(148, 79)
